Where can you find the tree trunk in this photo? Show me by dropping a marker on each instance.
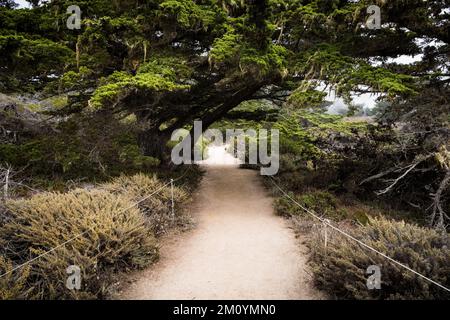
(153, 142)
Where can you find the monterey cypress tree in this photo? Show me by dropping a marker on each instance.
(170, 62)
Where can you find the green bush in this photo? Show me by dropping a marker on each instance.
(80, 148)
(113, 236)
(132, 154)
(327, 205)
(321, 202)
(340, 269)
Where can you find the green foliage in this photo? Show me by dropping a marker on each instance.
(306, 98)
(321, 202)
(174, 68)
(149, 57)
(226, 48)
(83, 148)
(120, 84)
(132, 154)
(272, 60)
(309, 135)
(73, 80)
(295, 138)
(326, 63)
(188, 13)
(25, 58)
(255, 111)
(49, 156)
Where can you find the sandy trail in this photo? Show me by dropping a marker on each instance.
(238, 250)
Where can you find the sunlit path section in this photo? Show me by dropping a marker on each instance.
(219, 155)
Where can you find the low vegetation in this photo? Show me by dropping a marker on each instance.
(323, 174)
(157, 208)
(340, 268)
(95, 108)
(103, 229)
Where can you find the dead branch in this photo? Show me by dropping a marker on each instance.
(378, 175)
(439, 216)
(409, 169)
(8, 180)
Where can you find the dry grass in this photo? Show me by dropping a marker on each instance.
(13, 285)
(114, 236)
(157, 208)
(103, 229)
(340, 269)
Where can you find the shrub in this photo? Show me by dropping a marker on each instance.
(340, 269)
(12, 285)
(321, 202)
(78, 147)
(113, 236)
(298, 174)
(156, 208)
(132, 154)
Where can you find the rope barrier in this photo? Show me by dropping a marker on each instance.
(86, 231)
(326, 222)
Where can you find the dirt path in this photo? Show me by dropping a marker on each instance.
(238, 250)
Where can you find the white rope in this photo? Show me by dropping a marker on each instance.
(84, 232)
(326, 222)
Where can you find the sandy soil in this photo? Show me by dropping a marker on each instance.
(238, 250)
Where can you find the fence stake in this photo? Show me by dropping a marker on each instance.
(325, 230)
(5, 187)
(173, 204)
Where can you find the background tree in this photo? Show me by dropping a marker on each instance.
(9, 4)
(169, 62)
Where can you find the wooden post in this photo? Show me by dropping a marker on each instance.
(173, 203)
(325, 231)
(5, 187)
